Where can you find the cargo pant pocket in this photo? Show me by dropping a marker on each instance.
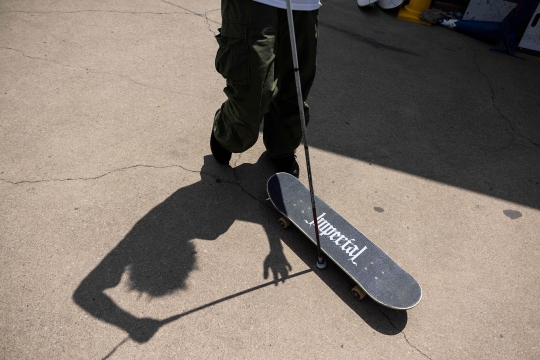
(232, 58)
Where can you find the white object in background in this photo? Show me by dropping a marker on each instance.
(389, 4)
(531, 37)
(363, 3)
(488, 10)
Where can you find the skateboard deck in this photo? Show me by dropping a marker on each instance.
(366, 264)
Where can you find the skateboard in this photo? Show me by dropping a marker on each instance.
(374, 272)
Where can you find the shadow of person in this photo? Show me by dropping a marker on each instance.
(158, 253)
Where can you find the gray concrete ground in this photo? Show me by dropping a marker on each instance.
(113, 216)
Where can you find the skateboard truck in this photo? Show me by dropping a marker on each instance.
(321, 264)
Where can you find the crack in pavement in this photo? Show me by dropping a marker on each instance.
(242, 188)
(205, 15)
(372, 42)
(191, 11)
(493, 103)
(186, 11)
(402, 332)
(95, 11)
(208, 21)
(105, 174)
(106, 73)
(414, 347)
(492, 90)
(216, 177)
(438, 153)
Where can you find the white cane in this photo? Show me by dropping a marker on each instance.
(321, 264)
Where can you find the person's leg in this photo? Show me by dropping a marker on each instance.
(282, 132)
(245, 58)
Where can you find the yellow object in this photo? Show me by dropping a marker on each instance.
(413, 10)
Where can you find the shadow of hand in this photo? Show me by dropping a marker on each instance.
(143, 329)
(279, 265)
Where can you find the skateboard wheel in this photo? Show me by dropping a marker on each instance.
(358, 293)
(284, 222)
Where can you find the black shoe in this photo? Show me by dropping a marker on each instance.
(288, 164)
(222, 155)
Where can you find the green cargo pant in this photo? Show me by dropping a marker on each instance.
(254, 56)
